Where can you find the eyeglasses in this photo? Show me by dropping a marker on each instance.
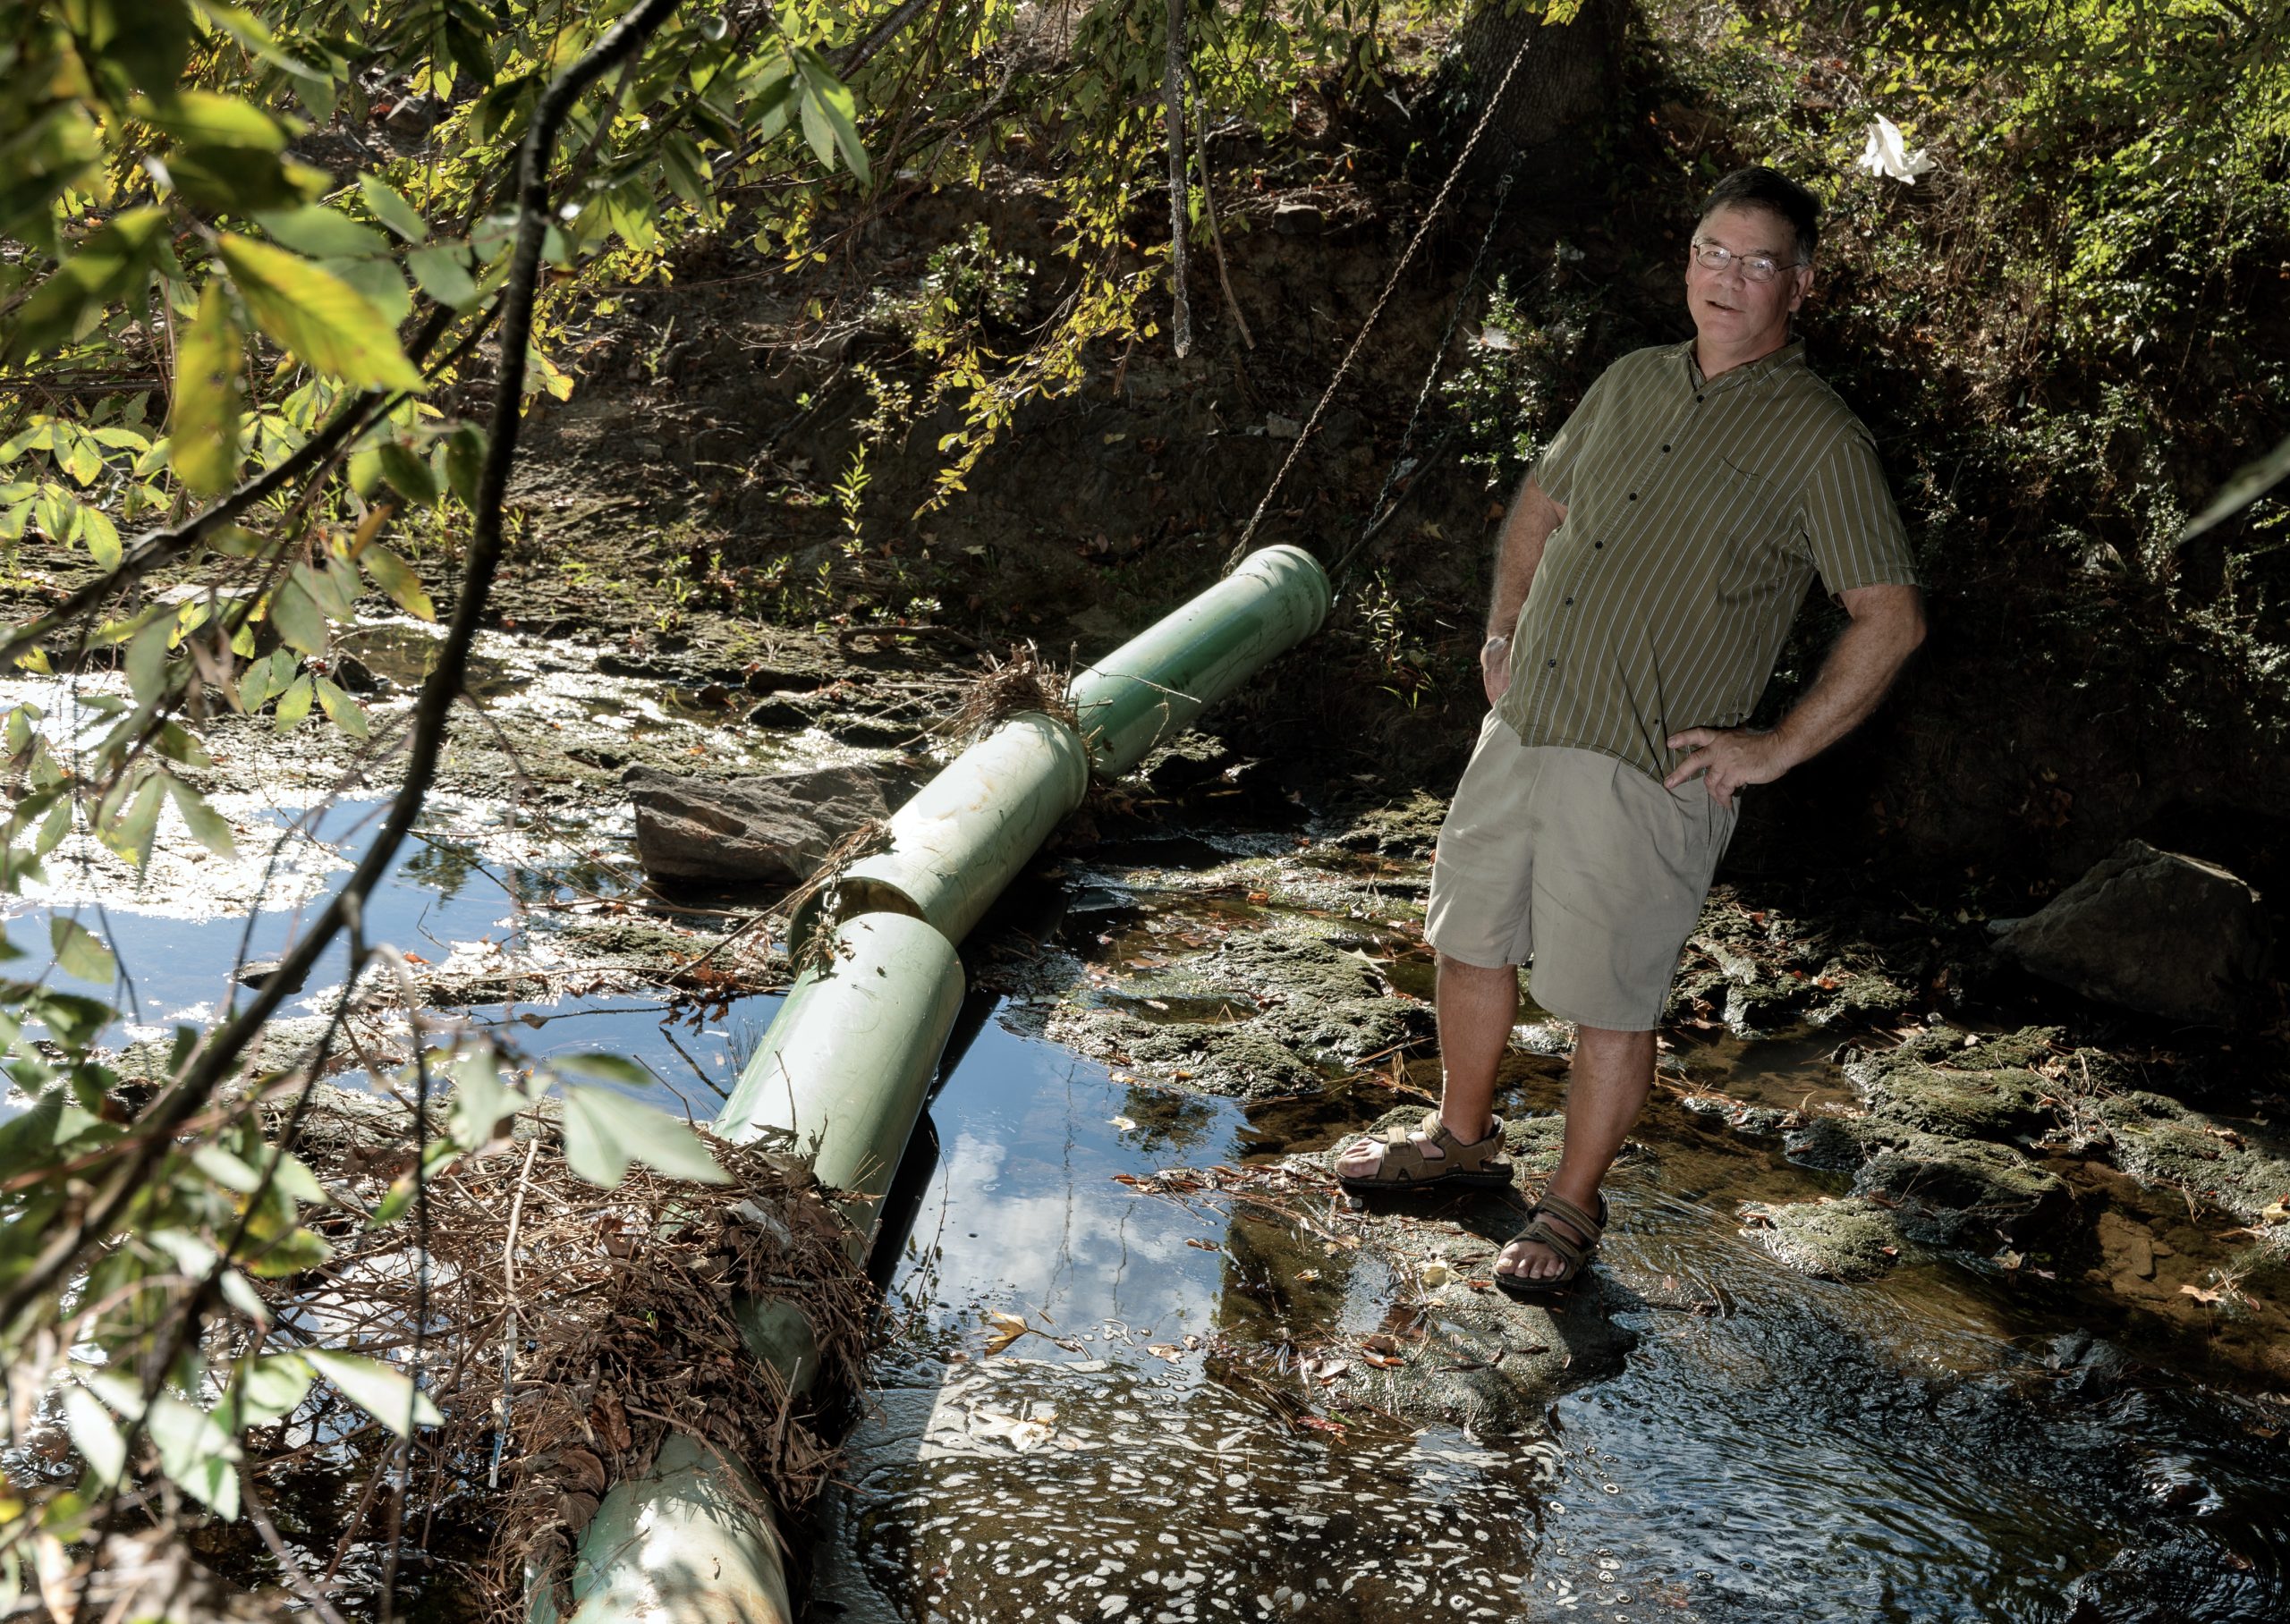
(1755, 268)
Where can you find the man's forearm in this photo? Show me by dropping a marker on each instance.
(1854, 678)
(1526, 527)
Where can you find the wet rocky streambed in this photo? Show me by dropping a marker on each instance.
(1901, 1317)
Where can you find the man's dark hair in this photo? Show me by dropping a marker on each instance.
(1759, 187)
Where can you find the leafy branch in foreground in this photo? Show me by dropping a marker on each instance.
(164, 226)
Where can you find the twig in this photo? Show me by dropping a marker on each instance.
(1209, 211)
(1172, 103)
(509, 1331)
(289, 1564)
(153, 1133)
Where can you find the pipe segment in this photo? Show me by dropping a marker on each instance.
(691, 1542)
(847, 1064)
(848, 1061)
(968, 831)
(1152, 687)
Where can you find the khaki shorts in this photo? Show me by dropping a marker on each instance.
(1580, 863)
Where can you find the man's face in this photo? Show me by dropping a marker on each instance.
(1730, 312)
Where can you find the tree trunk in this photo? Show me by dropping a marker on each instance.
(1565, 86)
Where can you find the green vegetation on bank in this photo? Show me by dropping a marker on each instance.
(257, 266)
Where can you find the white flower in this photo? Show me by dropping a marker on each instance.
(1888, 154)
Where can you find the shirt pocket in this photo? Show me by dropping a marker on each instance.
(1746, 506)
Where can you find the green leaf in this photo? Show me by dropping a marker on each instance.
(465, 461)
(51, 831)
(294, 610)
(389, 205)
(380, 281)
(293, 1175)
(443, 274)
(146, 659)
(836, 109)
(480, 1099)
(604, 1131)
(132, 832)
(266, 679)
(249, 31)
(111, 265)
(241, 180)
(2250, 482)
(208, 826)
(383, 1390)
(395, 577)
(341, 709)
(408, 474)
(322, 233)
(200, 118)
(228, 1170)
(100, 536)
(78, 952)
(239, 1292)
(94, 1433)
(196, 1453)
(82, 459)
(290, 1252)
(150, 39)
(265, 1390)
(294, 704)
(322, 321)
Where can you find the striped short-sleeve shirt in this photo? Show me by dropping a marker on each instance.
(1697, 514)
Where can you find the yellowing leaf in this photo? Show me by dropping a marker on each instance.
(322, 320)
(341, 709)
(206, 397)
(395, 577)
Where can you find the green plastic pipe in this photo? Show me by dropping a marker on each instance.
(847, 1064)
(968, 831)
(1152, 687)
(848, 1061)
(691, 1542)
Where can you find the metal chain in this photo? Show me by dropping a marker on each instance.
(1240, 549)
(1378, 515)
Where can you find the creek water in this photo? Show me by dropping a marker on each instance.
(1922, 1447)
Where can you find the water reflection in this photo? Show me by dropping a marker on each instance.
(1905, 1450)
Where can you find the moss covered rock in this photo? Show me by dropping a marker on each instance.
(1848, 1239)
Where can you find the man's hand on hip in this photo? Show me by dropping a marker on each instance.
(1495, 667)
(1727, 760)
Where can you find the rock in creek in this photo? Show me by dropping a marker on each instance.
(2153, 930)
(766, 831)
(1852, 1238)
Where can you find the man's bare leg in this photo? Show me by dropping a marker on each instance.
(1476, 1007)
(1606, 1085)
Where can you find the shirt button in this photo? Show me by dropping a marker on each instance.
(1697, 399)
(1633, 496)
(1666, 448)
(1551, 664)
(1569, 603)
(1597, 545)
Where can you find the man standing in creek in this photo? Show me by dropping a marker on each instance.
(1648, 572)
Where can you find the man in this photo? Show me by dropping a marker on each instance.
(1647, 574)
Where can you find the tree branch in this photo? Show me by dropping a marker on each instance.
(207, 1066)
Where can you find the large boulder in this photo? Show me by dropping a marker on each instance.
(774, 830)
(2152, 931)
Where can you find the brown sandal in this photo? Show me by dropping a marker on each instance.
(1476, 1165)
(1573, 1252)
